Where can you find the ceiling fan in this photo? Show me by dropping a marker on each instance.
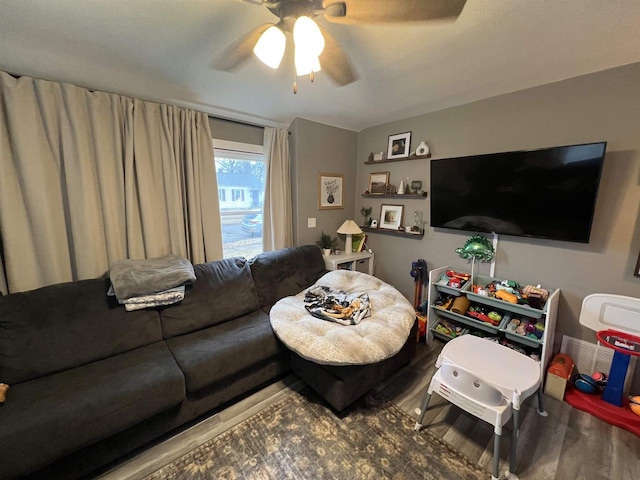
(315, 48)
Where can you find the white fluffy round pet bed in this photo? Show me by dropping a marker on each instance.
(374, 339)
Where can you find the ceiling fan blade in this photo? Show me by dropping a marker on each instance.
(334, 61)
(240, 50)
(391, 11)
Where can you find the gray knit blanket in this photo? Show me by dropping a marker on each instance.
(137, 278)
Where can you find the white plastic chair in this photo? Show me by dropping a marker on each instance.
(489, 381)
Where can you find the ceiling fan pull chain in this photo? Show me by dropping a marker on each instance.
(295, 87)
(312, 76)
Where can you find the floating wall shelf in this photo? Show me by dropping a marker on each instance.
(408, 196)
(397, 233)
(388, 160)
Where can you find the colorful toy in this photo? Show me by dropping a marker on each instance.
(456, 279)
(444, 301)
(462, 276)
(527, 327)
(585, 383)
(625, 346)
(480, 313)
(634, 404)
(536, 296)
(3, 393)
(506, 296)
(477, 248)
(449, 329)
(600, 378)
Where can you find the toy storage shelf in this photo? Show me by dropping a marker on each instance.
(509, 310)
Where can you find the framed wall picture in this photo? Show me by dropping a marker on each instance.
(391, 217)
(330, 193)
(378, 183)
(399, 145)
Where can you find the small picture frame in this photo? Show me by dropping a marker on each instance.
(330, 191)
(399, 145)
(378, 183)
(391, 217)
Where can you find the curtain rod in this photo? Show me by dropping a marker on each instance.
(238, 122)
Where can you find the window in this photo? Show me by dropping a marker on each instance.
(237, 195)
(241, 172)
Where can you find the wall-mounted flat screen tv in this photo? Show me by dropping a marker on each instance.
(546, 193)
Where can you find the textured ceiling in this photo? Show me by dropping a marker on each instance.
(163, 50)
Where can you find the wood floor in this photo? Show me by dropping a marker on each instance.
(567, 444)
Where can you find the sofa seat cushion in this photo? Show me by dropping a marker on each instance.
(60, 413)
(209, 356)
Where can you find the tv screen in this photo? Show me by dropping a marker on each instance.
(547, 193)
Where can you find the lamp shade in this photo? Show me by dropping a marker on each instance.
(349, 228)
(305, 64)
(307, 36)
(270, 47)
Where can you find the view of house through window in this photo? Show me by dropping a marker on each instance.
(241, 178)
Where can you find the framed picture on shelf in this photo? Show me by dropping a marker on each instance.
(399, 145)
(391, 217)
(378, 183)
(330, 194)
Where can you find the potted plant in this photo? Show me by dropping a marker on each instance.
(326, 243)
(366, 215)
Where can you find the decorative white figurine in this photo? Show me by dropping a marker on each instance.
(423, 149)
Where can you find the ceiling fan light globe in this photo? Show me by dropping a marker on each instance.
(305, 63)
(270, 47)
(307, 36)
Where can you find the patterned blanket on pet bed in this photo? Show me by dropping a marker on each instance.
(336, 305)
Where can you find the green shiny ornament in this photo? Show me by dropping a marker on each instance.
(477, 247)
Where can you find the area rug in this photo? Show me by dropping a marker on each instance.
(301, 438)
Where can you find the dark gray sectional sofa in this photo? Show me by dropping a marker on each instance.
(90, 382)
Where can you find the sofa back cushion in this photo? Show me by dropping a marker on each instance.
(62, 326)
(223, 290)
(286, 272)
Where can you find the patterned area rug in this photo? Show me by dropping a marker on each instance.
(300, 438)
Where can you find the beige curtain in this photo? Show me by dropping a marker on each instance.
(87, 178)
(277, 228)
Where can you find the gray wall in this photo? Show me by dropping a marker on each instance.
(317, 148)
(600, 106)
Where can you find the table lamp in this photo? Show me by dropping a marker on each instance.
(349, 228)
